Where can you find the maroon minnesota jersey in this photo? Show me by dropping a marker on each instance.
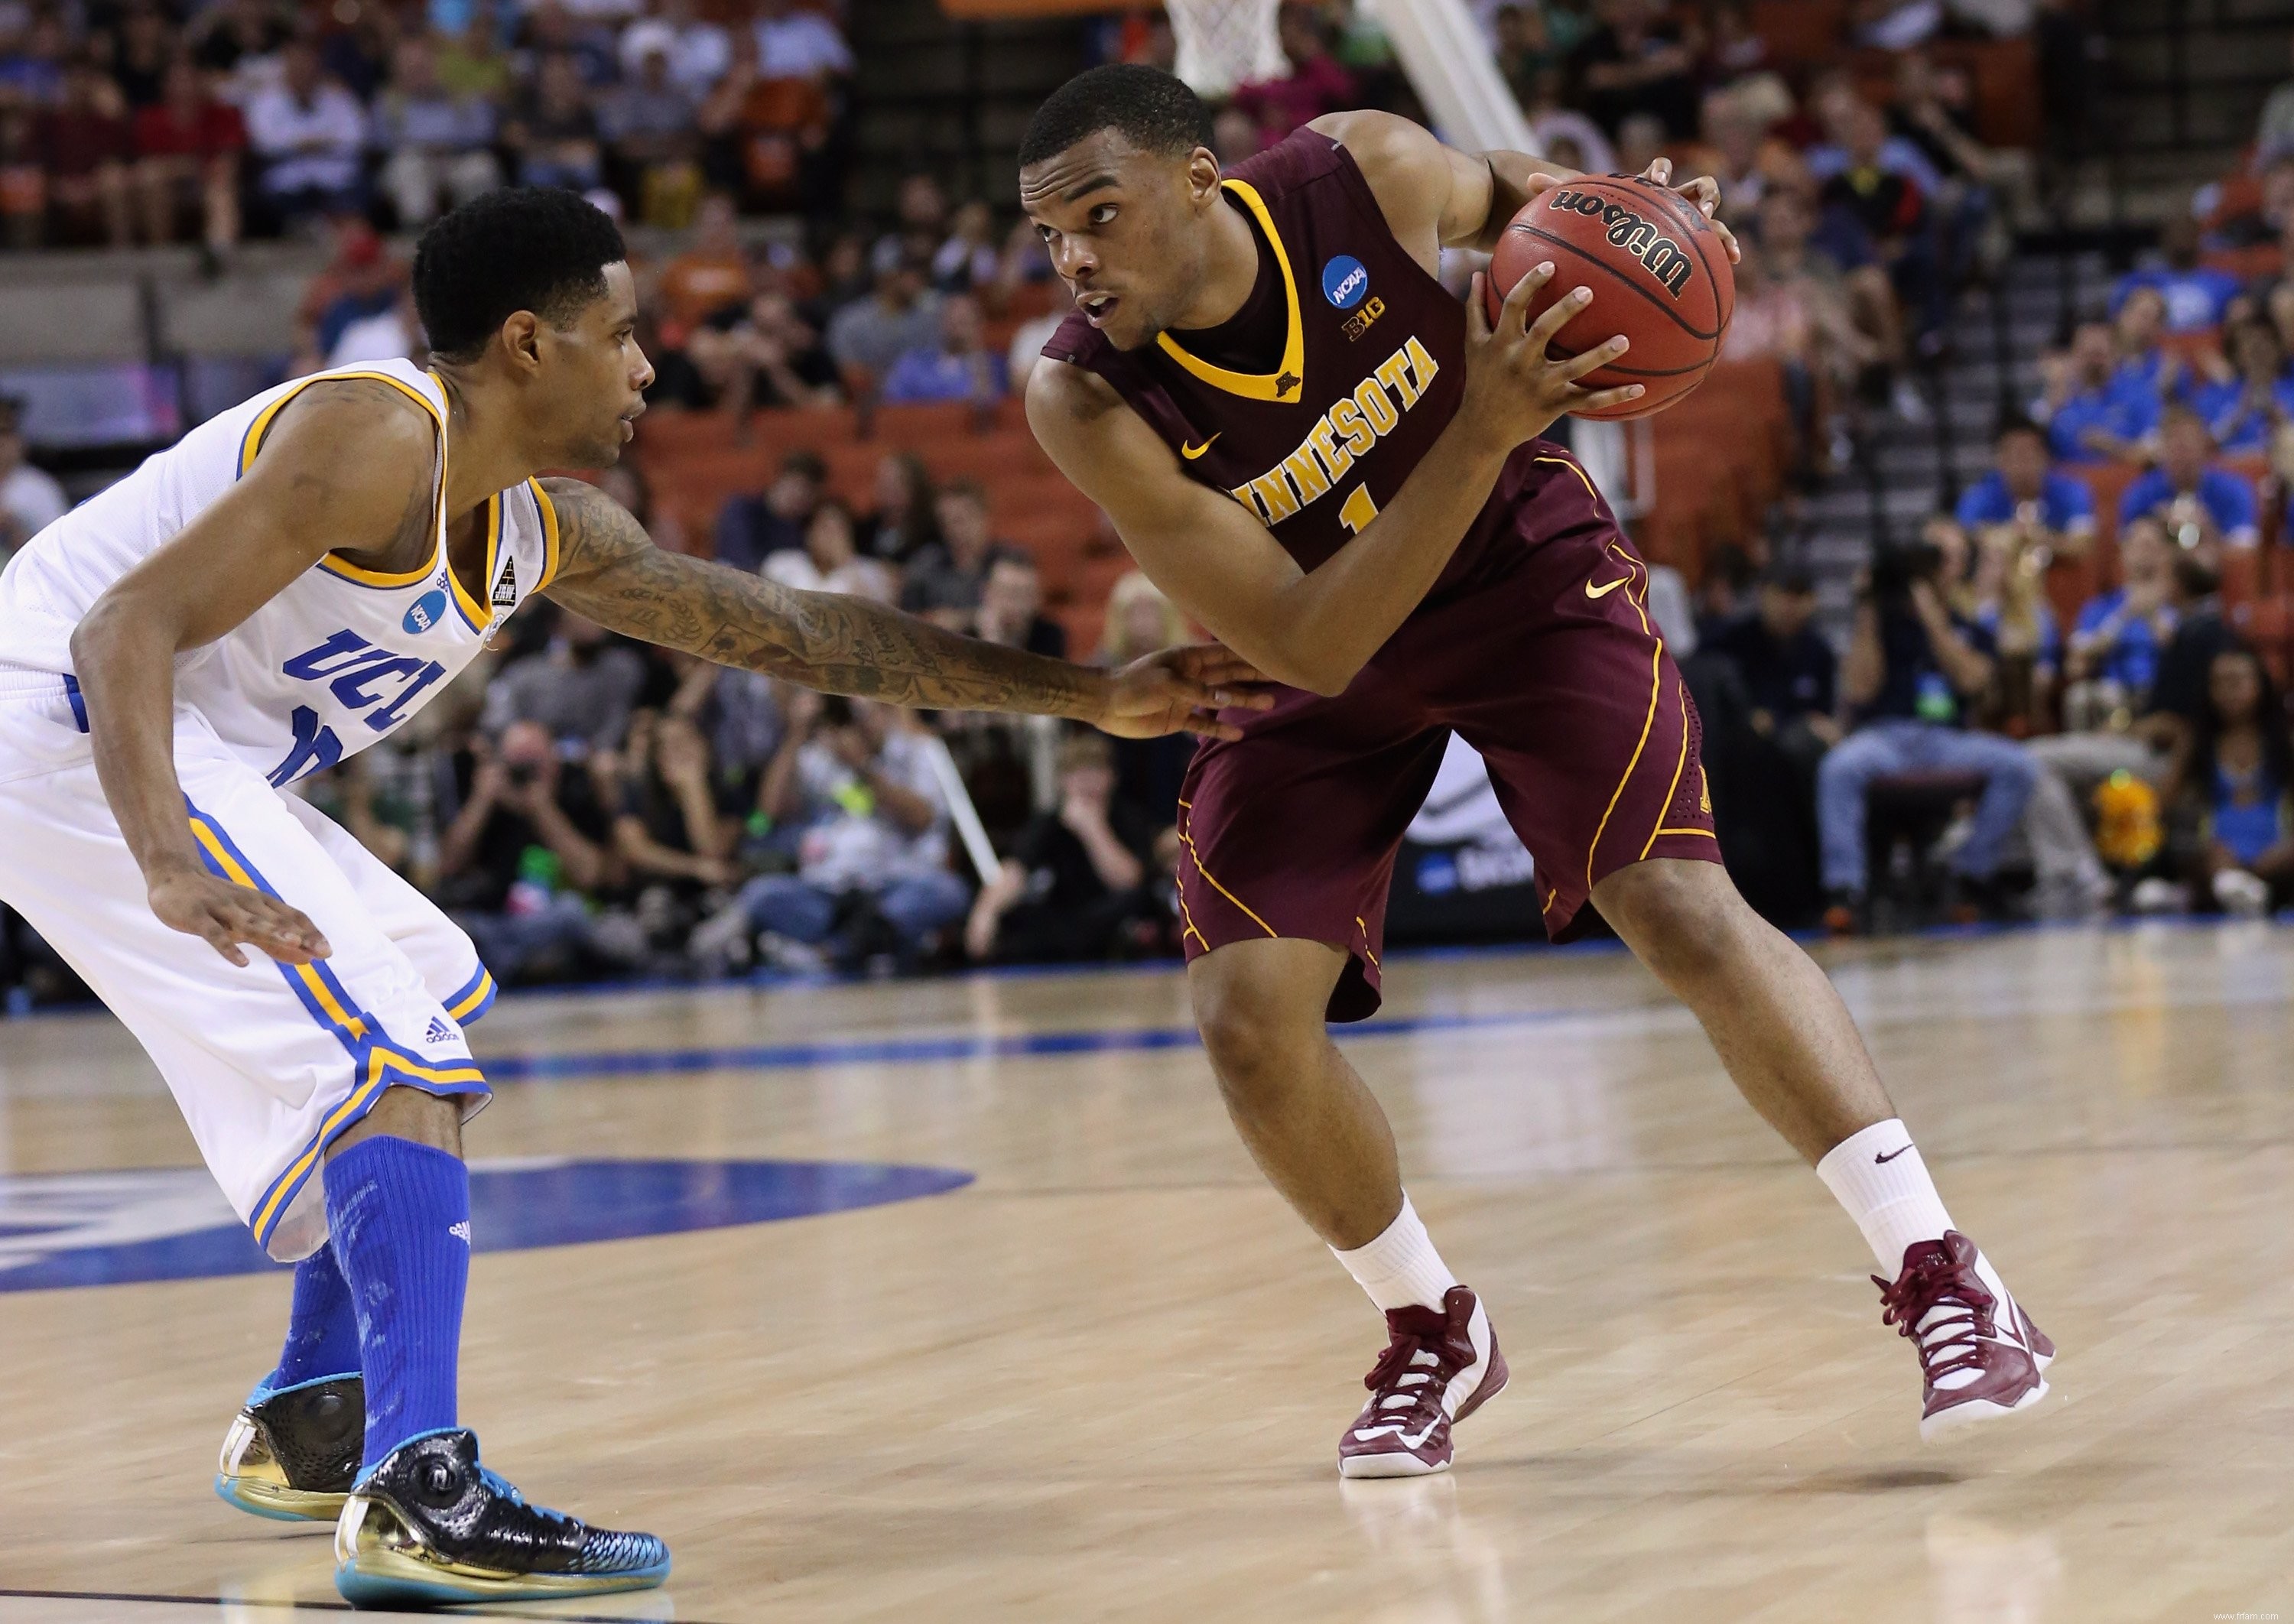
(1310, 406)
(1370, 366)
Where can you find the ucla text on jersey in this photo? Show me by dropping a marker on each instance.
(339, 657)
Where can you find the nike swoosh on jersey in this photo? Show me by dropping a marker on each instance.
(1606, 588)
(1193, 451)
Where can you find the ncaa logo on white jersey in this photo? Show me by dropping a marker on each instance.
(427, 612)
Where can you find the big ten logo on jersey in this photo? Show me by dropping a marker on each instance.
(1665, 259)
(1355, 326)
(381, 688)
(1344, 433)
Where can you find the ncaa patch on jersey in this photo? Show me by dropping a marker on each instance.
(426, 612)
(1345, 281)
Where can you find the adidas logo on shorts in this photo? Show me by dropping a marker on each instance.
(439, 1031)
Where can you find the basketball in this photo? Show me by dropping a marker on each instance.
(1659, 273)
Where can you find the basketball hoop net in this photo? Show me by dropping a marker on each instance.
(1223, 43)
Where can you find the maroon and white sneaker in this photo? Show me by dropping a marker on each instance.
(1438, 1368)
(1981, 1356)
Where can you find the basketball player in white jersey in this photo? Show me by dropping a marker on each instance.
(284, 587)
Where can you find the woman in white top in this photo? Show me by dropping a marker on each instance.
(828, 561)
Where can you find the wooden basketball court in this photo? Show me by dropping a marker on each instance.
(1105, 1379)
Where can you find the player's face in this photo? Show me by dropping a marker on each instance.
(598, 375)
(1125, 230)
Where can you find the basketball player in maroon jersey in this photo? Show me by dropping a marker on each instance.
(1335, 467)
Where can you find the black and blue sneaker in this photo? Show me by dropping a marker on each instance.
(293, 1453)
(430, 1527)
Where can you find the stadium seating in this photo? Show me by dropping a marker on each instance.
(1714, 478)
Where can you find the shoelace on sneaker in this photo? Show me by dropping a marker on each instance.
(501, 1487)
(1919, 1306)
(1408, 1382)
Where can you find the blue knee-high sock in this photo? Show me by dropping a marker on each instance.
(322, 1331)
(401, 1217)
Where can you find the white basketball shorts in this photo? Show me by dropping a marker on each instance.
(268, 1062)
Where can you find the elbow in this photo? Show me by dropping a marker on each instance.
(119, 630)
(1320, 673)
(91, 639)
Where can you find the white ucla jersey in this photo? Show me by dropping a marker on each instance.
(334, 662)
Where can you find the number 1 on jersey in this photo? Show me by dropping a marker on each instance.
(1359, 510)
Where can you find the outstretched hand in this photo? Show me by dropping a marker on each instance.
(1183, 689)
(223, 916)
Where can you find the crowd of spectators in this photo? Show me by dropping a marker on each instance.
(163, 120)
(2062, 775)
(1861, 203)
(2139, 756)
(588, 805)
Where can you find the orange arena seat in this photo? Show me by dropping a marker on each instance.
(2251, 264)
(1800, 32)
(2071, 582)
(2241, 574)
(2268, 623)
(2192, 346)
(2107, 483)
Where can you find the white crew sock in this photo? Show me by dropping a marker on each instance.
(1401, 1267)
(1878, 1176)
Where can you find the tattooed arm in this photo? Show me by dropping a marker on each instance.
(609, 572)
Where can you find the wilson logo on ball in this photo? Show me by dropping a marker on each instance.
(1663, 257)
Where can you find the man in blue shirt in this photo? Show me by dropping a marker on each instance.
(2195, 297)
(2120, 635)
(1912, 671)
(2244, 410)
(959, 367)
(2022, 492)
(2091, 416)
(2147, 376)
(2204, 507)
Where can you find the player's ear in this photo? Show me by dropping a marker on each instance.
(522, 338)
(1203, 175)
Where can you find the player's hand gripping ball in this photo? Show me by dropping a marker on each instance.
(1658, 270)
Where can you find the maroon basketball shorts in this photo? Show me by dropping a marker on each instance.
(1544, 660)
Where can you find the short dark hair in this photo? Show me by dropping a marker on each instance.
(1154, 111)
(526, 248)
(2016, 423)
(1793, 578)
(806, 465)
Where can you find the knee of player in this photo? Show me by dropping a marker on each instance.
(1684, 920)
(1256, 1044)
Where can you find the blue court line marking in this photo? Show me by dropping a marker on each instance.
(898, 1051)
